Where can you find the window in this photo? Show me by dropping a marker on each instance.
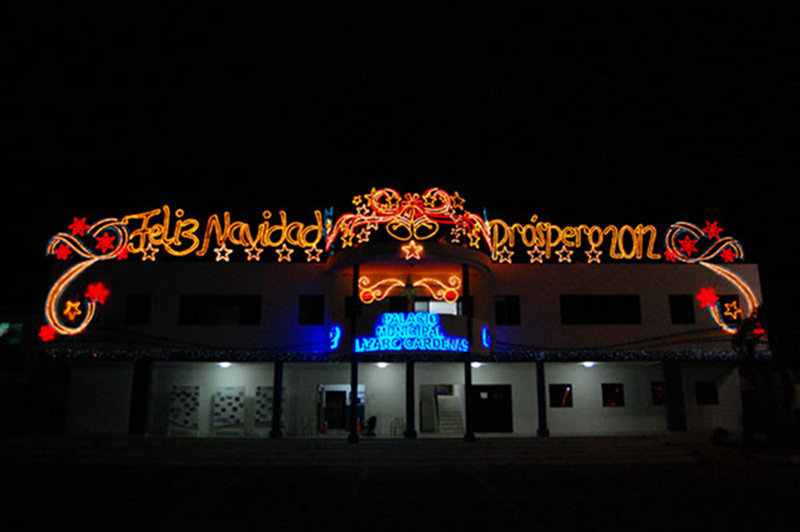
(311, 310)
(706, 393)
(220, 309)
(657, 392)
(10, 333)
(437, 307)
(507, 310)
(582, 309)
(560, 395)
(137, 309)
(613, 394)
(681, 309)
(398, 304)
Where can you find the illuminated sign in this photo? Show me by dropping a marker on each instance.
(410, 331)
(151, 231)
(409, 218)
(335, 337)
(370, 292)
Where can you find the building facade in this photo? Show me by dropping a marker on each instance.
(408, 317)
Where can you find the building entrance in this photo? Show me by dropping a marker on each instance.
(334, 407)
(441, 409)
(491, 408)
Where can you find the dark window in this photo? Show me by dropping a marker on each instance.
(657, 392)
(507, 310)
(613, 394)
(681, 309)
(581, 309)
(312, 310)
(220, 309)
(706, 392)
(351, 305)
(10, 333)
(560, 395)
(137, 309)
(398, 304)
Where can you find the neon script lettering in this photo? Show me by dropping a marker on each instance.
(412, 331)
(623, 242)
(179, 236)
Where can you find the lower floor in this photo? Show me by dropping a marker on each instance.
(419, 399)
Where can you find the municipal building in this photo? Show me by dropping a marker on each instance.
(403, 314)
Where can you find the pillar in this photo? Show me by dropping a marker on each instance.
(411, 431)
(139, 413)
(353, 436)
(673, 395)
(277, 400)
(541, 401)
(469, 435)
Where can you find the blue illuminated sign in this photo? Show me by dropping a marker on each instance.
(335, 336)
(410, 331)
(486, 337)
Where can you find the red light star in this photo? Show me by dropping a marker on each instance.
(727, 255)
(123, 253)
(97, 292)
(707, 297)
(688, 245)
(62, 252)
(78, 226)
(47, 333)
(105, 242)
(712, 230)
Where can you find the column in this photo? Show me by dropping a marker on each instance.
(277, 400)
(138, 422)
(673, 395)
(353, 436)
(541, 401)
(411, 431)
(466, 304)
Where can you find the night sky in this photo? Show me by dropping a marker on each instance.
(620, 114)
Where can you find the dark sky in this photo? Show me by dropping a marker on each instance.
(614, 113)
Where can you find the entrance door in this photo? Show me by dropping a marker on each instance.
(491, 408)
(335, 408)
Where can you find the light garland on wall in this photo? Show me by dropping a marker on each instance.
(407, 218)
(111, 239)
(179, 236)
(688, 243)
(370, 292)
(410, 218)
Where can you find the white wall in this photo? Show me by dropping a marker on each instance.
(101, 394)
(384, 393)
(206, 375)
(522, 378)
(727, 414)
(588, 415)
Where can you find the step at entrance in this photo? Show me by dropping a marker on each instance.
(449, 409)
